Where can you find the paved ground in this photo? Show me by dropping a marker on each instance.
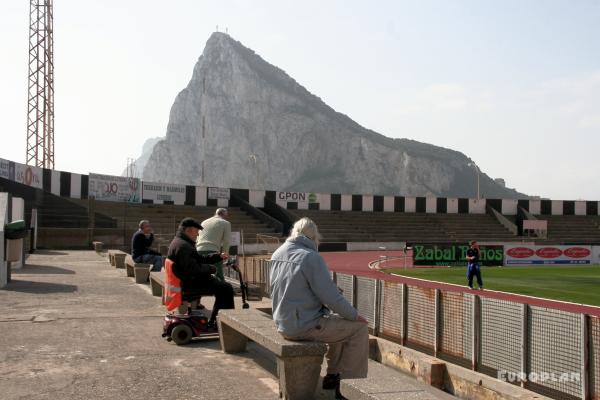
(73, 327)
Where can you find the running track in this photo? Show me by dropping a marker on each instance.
(357, 263)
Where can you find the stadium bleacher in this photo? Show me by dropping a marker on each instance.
(165, 218)
(572, 229)
(62, 219)
(362, 226)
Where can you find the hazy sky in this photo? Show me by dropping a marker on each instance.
(515, 85)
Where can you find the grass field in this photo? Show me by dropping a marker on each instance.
(576, 284)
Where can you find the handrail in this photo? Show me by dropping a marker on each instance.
(261, 236)
(281, 214)
(255, 212)
(503, 220)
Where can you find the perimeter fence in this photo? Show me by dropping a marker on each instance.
(550, 351)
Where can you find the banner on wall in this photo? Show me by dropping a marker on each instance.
(4, 168)
(454, 255)
(163, 192)
(302, 198)
(115, 188)
(235, 239)
(596, 255)
(218, 193)
(547, 255)
(28, 175)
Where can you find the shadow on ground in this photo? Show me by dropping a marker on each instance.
(50, 253)
(41, 269)
(22, 286)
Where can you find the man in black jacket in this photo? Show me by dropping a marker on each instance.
(140, 247)
(473, 266)
(195, 270)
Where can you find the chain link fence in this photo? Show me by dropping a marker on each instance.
(552, 352)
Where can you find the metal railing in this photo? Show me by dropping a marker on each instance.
(553, 352)
(267, 239)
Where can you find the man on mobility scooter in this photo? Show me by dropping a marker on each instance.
(189, 276)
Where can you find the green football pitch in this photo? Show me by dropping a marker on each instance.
(576, 284)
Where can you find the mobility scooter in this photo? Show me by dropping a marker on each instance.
(182, 328)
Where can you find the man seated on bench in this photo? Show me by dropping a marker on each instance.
(195, 270)
(140, 247)
(303, 295)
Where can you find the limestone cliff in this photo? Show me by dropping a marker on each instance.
(242, 122)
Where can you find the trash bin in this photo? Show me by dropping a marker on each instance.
(14, 233)
(16, 230)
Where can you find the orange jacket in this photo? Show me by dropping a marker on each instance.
(173, 297)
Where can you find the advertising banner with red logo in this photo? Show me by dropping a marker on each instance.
(524, 254)
(29, 175)
(115, 188)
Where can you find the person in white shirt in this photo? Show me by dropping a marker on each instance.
(215, 237)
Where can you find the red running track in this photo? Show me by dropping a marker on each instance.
(357, 263)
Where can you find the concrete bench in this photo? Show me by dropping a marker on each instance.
(163, 249)
(157, 283)
(298, 363)
(98, 246)
(117, 258)
(140, 271)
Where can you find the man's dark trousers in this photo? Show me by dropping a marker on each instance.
(473, 269)
(222, 291)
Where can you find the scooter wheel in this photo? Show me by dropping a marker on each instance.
(181, 334)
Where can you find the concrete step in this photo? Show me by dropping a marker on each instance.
(385, 383)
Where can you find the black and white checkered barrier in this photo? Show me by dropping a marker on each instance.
(80, 186)
(431, 205)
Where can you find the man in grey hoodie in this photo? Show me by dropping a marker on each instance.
(304, 297)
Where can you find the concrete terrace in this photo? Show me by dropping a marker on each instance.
(73, 327)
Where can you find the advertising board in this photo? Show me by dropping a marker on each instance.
(218, 193)
(29, 175)
(302, 198)
(547, 255)
(115, 188)
(454, 254)
(163, 192)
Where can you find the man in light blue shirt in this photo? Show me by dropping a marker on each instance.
(303, 295)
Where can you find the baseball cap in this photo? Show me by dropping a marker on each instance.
(190, 223)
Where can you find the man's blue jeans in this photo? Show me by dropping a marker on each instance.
(473, 269)
(156, 261)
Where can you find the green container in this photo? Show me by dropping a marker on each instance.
(16, 230)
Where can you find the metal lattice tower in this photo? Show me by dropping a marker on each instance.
(40, 102)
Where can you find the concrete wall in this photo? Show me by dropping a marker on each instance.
(477, 206)
(3, 220)
(18, 213)
(76, 186)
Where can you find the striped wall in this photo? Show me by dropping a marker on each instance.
(74, 185)
(433, 205)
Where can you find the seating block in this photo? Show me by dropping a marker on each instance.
(117, 258)
(157, 283)
(139, 271)
(298, 363)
